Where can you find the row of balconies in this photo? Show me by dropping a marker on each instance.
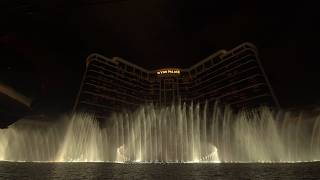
(234, 78)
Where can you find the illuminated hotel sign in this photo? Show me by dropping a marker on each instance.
(168, 71)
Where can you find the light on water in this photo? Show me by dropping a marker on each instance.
(180, 133)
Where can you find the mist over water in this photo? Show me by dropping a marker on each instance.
(179, 133)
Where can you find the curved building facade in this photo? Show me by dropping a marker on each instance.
(233, 77)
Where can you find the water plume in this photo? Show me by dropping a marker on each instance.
(177, 133)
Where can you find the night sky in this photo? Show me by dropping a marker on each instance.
(44, 44)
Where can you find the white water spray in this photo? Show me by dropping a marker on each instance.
(180, 133)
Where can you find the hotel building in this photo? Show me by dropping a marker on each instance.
(233, 77)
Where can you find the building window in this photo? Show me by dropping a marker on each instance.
(129, 69)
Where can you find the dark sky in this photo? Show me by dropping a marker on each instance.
(43, 44)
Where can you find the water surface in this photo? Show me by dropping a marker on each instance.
(13, 170)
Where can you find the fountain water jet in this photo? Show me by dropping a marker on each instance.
(179, 133)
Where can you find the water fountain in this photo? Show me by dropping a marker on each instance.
(179, 133)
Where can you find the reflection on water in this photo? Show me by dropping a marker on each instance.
(10, 170)
(180, 133)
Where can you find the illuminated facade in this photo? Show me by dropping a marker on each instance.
(233, 77)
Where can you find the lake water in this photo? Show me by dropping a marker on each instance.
(21, 170)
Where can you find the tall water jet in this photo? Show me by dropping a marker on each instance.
(176, 133)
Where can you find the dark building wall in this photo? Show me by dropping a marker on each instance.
(235, 78)
(232, 77)
(111, 85)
